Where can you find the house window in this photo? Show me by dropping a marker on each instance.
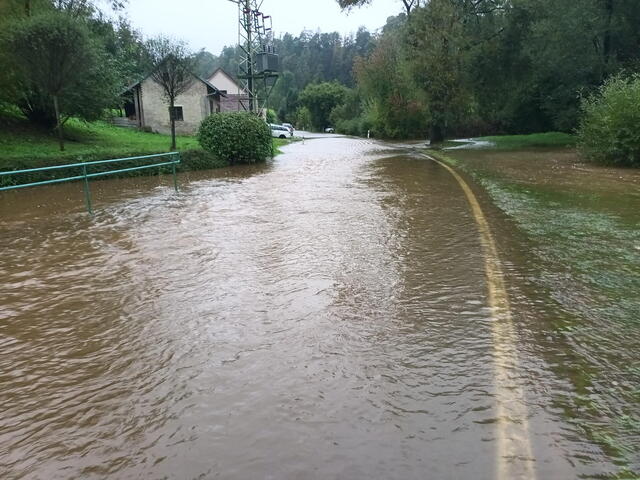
(176, 114)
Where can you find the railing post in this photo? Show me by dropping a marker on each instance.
(173, 168)
(87, 191)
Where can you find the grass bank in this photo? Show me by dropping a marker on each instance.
(278, 143)
(521, 142)
(534, 140)
(24, 146)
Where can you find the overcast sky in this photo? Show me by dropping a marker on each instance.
(212, 24)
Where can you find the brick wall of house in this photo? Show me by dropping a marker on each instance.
(194, 103)
(232, 103)
(236, 95)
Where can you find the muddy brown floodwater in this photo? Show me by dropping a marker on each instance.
(324, 316)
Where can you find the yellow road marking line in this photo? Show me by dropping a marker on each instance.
(514, 453)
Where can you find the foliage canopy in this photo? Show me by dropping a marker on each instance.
(171, 67)
(320, 99)
(59, 66)
(495, 66)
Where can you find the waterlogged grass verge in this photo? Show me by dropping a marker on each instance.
(278, 143)
(534, 140)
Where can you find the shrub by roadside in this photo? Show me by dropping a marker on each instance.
(609, 131)
(236, 137)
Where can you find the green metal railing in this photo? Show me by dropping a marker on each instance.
(174, 159)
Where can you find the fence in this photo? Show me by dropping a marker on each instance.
(174, 159)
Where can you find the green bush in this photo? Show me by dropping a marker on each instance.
(357, 127)
(272, 116)
(609, 131)
(303, 119)
(236, 137)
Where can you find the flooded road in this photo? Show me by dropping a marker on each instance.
(579, 272)
(324, 316)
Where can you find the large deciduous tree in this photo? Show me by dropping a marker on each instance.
(393, 105)
(84, 8)
(60, 70)
(321, 99)
(172, 65)
(437, 49)
(516, 66)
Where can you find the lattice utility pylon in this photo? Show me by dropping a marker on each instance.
(258, 65)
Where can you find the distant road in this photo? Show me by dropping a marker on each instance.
(305, 134)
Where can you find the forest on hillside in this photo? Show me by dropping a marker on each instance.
(439, 68)
(456, 67)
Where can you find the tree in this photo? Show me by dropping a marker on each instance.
(408, 4)
(84, 7)
(437, 46)
(347, 117)
(285, 96)
(272, 116)
(394, 106)
(311, 57)
(497, 66)
(320, 99)
(61, 71)
(205, 64)
(303, 118)
(172, 65)
(20, 8)
(124, 46)
(560, 53)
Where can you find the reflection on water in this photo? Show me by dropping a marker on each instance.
(323, 316)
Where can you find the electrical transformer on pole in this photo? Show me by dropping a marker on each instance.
(258, 65)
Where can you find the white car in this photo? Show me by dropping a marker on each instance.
(289, 126)
(280, 131)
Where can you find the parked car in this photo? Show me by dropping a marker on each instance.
(329, 130)
(280, 131)
(289, 126)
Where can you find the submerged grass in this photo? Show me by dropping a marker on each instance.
(534, 140)
(278, 143)
(587, 255)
